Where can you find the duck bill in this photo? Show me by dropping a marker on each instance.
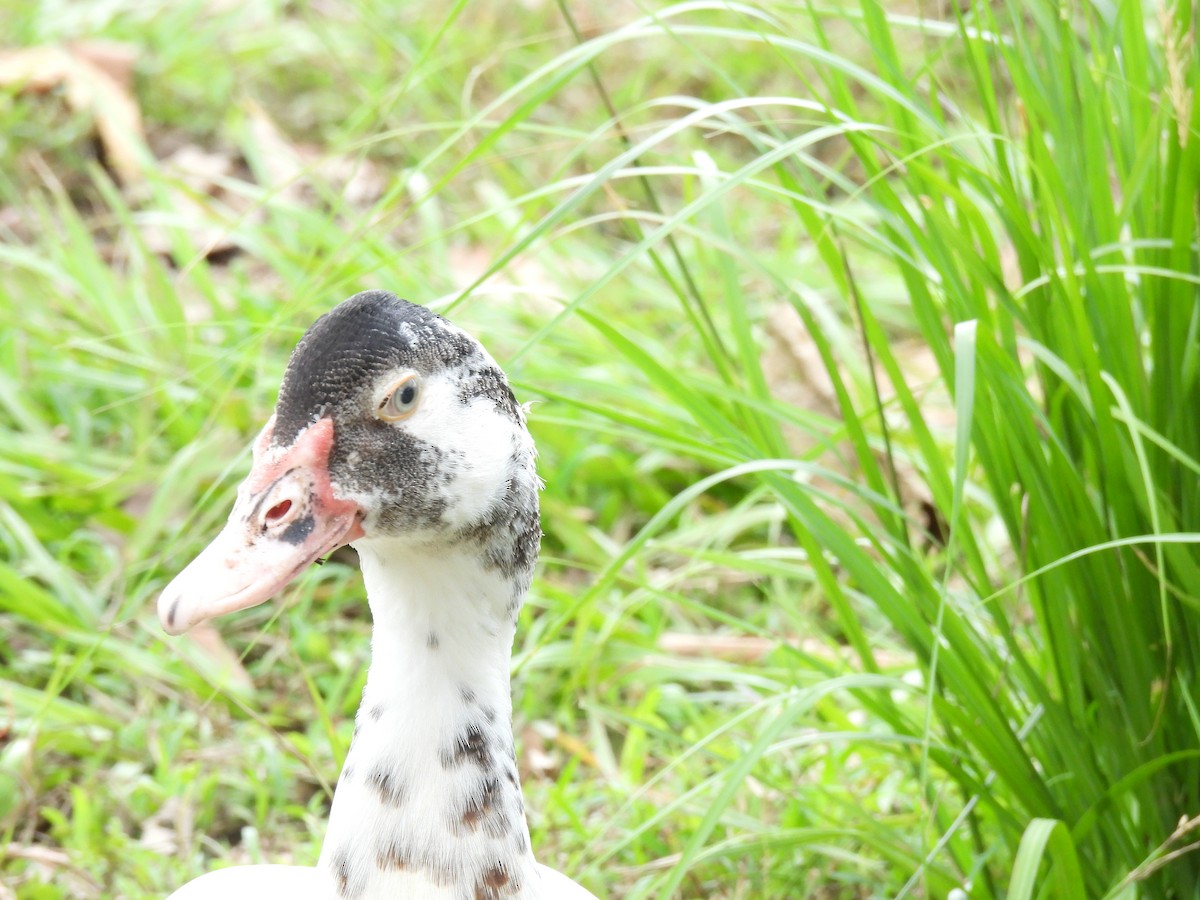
(286, 516)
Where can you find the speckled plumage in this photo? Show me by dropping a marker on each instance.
(428, 805)
(338, 369)
(433, 488)
(432, 762)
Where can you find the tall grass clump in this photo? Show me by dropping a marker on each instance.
(865, 346)
(1028, 181)
(1061, 243)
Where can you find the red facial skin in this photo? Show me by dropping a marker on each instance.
(286, 516)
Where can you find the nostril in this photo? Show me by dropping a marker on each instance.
(279, 510)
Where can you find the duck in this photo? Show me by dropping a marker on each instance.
(395, 432)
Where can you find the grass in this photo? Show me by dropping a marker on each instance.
(865, 347)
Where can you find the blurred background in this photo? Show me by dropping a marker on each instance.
(863, 341)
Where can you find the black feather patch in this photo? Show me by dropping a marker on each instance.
(351, 346)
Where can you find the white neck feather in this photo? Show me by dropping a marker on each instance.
(429, 802)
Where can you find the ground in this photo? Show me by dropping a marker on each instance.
(859, 343)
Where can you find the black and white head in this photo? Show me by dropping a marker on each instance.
(393, 425)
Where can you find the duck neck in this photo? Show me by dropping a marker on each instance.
(429, 800)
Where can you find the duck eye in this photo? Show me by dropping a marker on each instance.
(400, 399)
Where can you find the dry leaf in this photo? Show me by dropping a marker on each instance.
(114, 59)
(749, 648)
(360, 181)
(200, 204)
(283, 169)
(732, 647)
(95, 78)
(536, 761)
(793, 366)
(167, 830)
(289, 168)
(55, 866)
(797, 375)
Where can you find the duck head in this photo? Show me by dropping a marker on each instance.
(391, 425)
